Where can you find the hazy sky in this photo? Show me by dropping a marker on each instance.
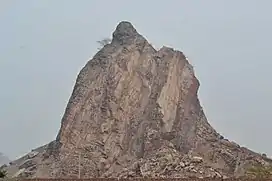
(45, 43)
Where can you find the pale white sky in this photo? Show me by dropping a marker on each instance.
(44, 44)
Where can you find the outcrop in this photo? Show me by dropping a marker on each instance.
(134, 112)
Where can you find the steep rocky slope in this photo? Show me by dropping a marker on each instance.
(134, 111)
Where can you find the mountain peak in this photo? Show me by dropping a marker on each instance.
(125, 33)
(138, 115)
(125, 27)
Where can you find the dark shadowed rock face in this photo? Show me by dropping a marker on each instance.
(134, 111)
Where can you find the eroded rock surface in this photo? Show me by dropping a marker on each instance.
(135, 112)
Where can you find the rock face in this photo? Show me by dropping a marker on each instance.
(135, 112)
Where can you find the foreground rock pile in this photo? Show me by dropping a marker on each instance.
(135, 112)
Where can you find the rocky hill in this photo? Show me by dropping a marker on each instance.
(135, 112)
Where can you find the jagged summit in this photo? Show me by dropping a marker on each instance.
(125, 28)
(125, 33)
(135, 112)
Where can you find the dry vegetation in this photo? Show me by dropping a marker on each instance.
(103, 42)
(260, 172)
